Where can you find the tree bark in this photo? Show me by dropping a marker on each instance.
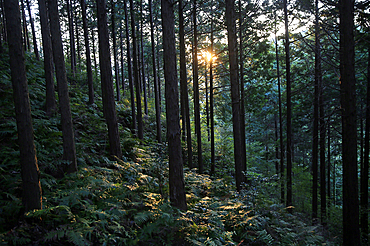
(281, 140)
(242, 93)
(122, 63)
(35, 49)
(115, 55)
(69, 150)
(289, 199)
(26, 39)
(50, 105)
(176, 182)
(235, 96)
(29, 169)
(196, 90)
(211, 107)
(142, 59)
(88, 58)
(315, 139)
(140, 133)
(349, 127)
(364, 188)
(184, 86)
(71, 37)
(109, 106)
(155, 78)
(129, 68)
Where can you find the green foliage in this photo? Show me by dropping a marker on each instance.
(112, 201)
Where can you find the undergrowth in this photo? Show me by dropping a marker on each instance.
(125, 201)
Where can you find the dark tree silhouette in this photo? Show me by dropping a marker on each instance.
(109, 106)
(351, 235)
(176, 182)
(69, 150)
(29, 168)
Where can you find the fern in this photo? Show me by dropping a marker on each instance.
(76, 238)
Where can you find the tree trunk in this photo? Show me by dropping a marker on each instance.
(176, 182)
(35, 49)
(26, 39)
(69, 150)
(322, 152)
(184, 86)
(242, 93)
(94, 54)
(315, 139)
(156, 94)
(289, 200)
(329, 168)
(142, 59)
(281, 140)
(235, 97)
(71, 37)
(78, 53)
(196, 90)
(29, 169)
(88, 58)
(349, 127)
(115, 55)
(122, 63)
(109, 106)
(365, 168)
(211, 107)
(129, 68)
(50, 104)
(140, 133)
(3, 21)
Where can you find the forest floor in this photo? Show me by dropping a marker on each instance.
(125, 201)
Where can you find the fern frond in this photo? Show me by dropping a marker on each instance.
(76, 238)
(143, 217)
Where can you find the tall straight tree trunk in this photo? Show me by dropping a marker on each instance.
(349, 127)
(88, 58)
(78, 53)
(26, 39)
(322, 152)
(121, 54)
(142, 59)
(365, 168)
(242, 93)
(211, 106)
(184, 86)
(3, 21)
(281, 140)
(29, 169)
(289, 200)
(140, 133)
(94, 54)
(50, 104)
(315, 139)
(235, 96)
(176, 175)
(109, 106)
(69, 150)
(206, 95)
(329, 167)
(35, 49)
(129, 68)
(71, 37)
(276, 144)
(196, 90)
(155, 78)
(115, 55)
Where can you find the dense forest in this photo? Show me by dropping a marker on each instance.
(188, 122)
